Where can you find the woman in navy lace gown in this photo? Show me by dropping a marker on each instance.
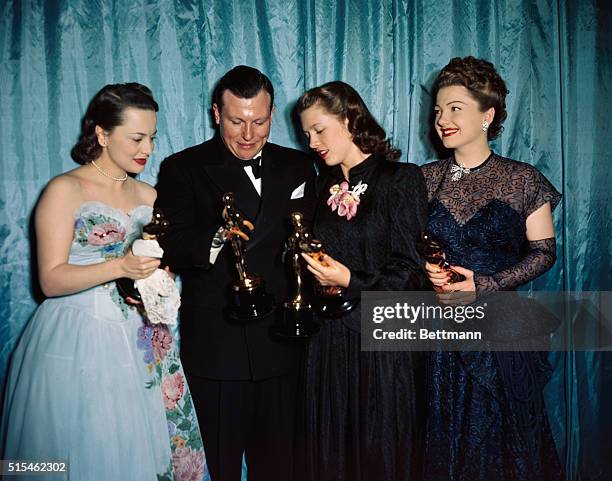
(486, 415)
(362, 413)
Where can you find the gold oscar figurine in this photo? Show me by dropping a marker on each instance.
(150, 233)
(432, 251)
(296, 316)
(331, 301)
(249, 300)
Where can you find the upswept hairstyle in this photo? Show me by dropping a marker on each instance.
(343, 101)
(245, 83)
(106, 110)
(483, 82)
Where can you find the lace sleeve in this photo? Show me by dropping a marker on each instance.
(540, 258)
(434, 175)
(538, 191)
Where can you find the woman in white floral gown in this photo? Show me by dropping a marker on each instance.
(92, 382)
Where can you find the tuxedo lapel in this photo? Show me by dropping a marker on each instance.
(227, 175)
(273, 197)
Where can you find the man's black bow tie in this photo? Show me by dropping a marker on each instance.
(254, 164)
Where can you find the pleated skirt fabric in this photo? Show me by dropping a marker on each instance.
(362, 414)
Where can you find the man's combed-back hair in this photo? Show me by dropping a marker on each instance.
(245, 83)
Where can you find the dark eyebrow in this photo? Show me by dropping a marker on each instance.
(456, 102)
(142, 133)
(258, 119)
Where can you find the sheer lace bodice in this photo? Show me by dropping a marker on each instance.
(481, 219)
(516, 184)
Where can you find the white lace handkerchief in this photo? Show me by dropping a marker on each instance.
(160, 296)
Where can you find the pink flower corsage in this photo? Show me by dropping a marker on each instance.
(345, 200)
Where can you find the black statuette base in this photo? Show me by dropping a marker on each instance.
(248, 305)
(333, 307)
(126, 289)
(295, 323)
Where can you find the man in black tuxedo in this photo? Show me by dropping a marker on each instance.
(243, 380)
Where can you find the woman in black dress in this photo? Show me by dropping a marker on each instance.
(486, 417)
(361, 408)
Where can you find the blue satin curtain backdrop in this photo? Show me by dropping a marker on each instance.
(556, 57)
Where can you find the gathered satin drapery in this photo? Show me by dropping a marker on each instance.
(556, 57)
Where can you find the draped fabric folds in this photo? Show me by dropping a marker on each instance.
(556, 57)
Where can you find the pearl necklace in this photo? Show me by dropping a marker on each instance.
(106, 174)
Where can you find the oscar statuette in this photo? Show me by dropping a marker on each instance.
(296, 316)
(331, 301)
(146, 246)
(248, 299)
(432, 251)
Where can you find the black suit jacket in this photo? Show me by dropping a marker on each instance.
(190, 186)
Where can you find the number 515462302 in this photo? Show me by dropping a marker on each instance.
(22, 466)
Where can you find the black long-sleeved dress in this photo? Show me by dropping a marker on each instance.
(362, 409)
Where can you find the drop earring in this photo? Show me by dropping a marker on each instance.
(485, 126)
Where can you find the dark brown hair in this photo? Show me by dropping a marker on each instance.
(245, 83)
(343, 101)
(483, 83)
(106, 110)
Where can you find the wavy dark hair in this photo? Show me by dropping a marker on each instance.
(343, 101)
(106, 110)
(244, 82)
(483, 83)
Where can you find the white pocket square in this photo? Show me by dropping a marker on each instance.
(298, 193)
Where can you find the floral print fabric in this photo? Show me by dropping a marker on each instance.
(104, 236)
(162, 361)
(106, 233)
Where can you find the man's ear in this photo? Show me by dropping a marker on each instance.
(217, 113)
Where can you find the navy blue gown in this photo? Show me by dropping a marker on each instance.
(486, 418)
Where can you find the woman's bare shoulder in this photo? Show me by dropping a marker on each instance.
(63, 192)
(146, 193)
